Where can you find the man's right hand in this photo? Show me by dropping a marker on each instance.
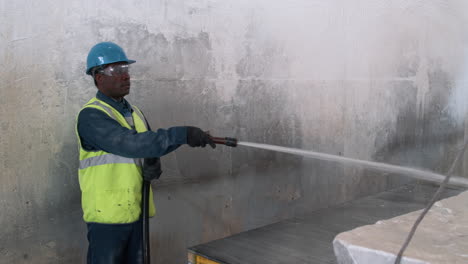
(198, 138)
(151, 169)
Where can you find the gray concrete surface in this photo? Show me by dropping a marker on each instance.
(308, 239)
(377, 80)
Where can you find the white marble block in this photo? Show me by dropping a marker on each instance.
(442, 237)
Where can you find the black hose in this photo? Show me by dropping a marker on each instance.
(145, 222)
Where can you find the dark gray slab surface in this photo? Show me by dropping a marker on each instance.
(308, 239)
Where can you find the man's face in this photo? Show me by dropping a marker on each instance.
(114, 80)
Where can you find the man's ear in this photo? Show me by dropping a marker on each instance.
(98, 77)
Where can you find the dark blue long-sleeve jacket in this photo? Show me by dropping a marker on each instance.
(98, 131)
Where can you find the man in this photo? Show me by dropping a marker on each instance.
(114, 138)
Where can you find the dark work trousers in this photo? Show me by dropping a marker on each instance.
(115, 243)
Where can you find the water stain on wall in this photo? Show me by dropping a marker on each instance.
(425, 135)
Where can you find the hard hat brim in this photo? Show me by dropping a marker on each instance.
(88, 72)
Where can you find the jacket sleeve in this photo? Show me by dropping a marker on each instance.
(98, 131)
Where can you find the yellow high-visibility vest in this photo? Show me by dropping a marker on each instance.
(111, 185)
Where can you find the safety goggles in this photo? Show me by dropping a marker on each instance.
(115, 70)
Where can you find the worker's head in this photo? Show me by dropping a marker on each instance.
(108, 65)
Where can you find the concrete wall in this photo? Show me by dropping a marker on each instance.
(370, 79)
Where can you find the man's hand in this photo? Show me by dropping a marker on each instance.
(197, 138)
(151, 169)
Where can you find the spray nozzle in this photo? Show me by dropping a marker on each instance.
(228, 141)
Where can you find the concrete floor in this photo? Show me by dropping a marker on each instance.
(308, 239)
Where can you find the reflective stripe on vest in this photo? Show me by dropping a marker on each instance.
(128, 119)
(107, 159)
(107, 109)
(140, 115)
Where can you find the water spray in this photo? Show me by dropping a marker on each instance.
(411, 172)
(415, 173)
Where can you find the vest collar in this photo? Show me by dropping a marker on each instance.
(123, 106)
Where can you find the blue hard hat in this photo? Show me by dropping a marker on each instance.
(105, 53)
